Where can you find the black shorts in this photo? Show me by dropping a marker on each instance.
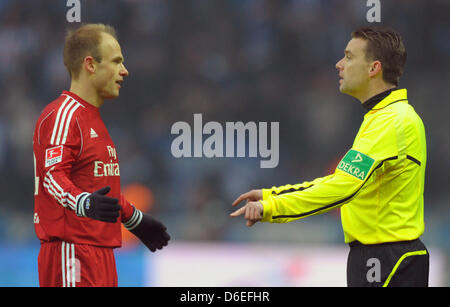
(396, 264)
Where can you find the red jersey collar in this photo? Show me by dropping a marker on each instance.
(79, 99)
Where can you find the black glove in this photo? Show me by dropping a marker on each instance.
(149, 230)
(98, 206)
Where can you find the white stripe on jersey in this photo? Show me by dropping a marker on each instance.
(52, 191)
(63, 120)
(55, 127)
(64, 197)
(59, 137)
(68, 264)
(63, 263)
(68, 269)
(74, 268)
(66, 128)
(61, 127)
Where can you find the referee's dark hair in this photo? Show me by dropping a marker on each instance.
(385, 45)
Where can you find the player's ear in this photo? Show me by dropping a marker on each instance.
(89, 64)
(375, 68)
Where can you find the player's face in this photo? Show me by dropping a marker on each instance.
(111, 70)
(354, 69)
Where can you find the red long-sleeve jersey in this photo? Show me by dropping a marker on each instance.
(74, 155)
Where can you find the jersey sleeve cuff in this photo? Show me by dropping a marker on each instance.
(134, 220)
(80, 199)
(266, 193)
(267, 209)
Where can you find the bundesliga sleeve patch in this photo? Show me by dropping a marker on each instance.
(53, 155)
(356, 164)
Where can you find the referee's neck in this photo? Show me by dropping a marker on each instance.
(375, 90)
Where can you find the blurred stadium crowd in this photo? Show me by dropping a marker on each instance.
(231, 60)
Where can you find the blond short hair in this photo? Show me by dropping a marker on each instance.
(82, 42)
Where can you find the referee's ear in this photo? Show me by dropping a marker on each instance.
(375, 68)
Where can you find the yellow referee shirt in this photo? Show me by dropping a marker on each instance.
(379, 182)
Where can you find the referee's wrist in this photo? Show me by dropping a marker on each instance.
(267, 209)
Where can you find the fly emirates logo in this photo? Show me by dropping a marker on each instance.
(107, 169)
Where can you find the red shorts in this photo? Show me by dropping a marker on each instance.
(63, 264)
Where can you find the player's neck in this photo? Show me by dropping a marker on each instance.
(87, 93)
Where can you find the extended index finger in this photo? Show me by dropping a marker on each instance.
(241, 198)
(238, 212)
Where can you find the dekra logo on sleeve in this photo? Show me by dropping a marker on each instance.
(356, 164)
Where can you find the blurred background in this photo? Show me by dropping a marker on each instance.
(230, 60)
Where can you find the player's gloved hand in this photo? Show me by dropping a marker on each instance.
(98, 206)
(149, 230)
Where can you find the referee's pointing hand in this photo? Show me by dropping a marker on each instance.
(253, 212)
(253, 195)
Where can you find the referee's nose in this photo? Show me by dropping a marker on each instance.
(339, 65)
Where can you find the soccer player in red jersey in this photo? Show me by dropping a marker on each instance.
(79, 207)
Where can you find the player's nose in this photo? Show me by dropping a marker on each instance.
(123, 71)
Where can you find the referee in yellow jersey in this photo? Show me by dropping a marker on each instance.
(379, 183)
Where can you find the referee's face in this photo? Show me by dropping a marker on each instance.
(354, 69)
